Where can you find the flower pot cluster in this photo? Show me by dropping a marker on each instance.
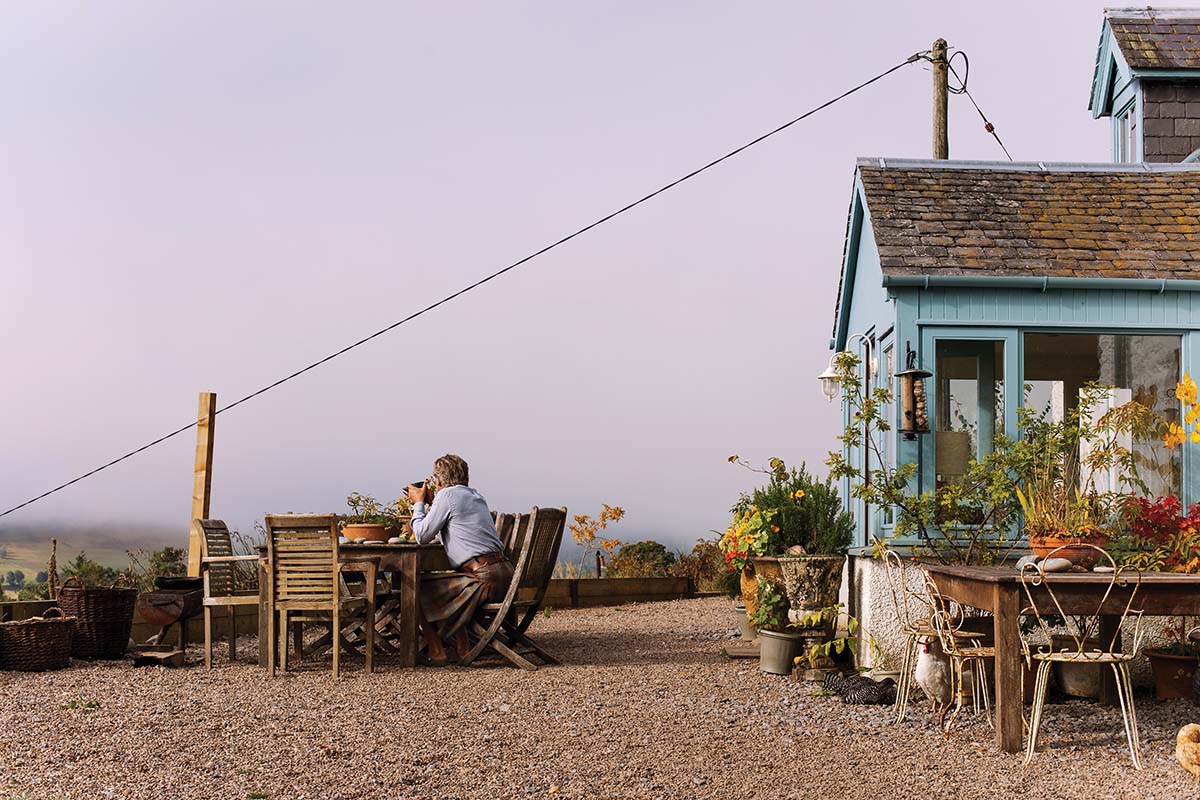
(787, 539)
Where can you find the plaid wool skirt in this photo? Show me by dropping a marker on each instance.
(453, 597)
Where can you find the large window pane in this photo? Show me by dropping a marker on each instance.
(970, 403)
(1142, 368)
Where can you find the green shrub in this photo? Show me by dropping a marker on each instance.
(89, 572)
(38, 590)
(704, 567)
(815, 520)
(647, 559)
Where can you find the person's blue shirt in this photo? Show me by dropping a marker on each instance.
(461, 516)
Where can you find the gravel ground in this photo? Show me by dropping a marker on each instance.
(644, 707)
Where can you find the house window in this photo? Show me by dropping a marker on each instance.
(1142, 368)
(1125, 145)
(969, 404)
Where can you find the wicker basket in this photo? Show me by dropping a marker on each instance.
(103, 617)
(38, 644)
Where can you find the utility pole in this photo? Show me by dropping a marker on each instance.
(941, 95)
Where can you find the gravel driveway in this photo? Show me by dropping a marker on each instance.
(645, 707)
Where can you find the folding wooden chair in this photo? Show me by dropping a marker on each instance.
(496, 625)
(222, 588)
(505, 525)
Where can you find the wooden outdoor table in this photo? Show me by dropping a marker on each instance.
(999, 590)
(403, 561)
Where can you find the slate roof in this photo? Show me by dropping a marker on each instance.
(1157, 38)
(1034, 220)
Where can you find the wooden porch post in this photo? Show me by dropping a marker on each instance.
(202, 485)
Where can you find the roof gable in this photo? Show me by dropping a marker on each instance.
(1034, 220)
(1157, 38)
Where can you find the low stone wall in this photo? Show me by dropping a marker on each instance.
(561, 593)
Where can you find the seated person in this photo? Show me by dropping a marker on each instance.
(460, 516)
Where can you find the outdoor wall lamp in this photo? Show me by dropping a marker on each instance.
(831, 378)
(914, 418)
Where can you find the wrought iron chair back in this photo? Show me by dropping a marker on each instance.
(905, 598)
(947, 619)
(962, 646)
(1083, 630)
(1043, 592)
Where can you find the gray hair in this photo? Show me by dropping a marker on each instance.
(450, 470)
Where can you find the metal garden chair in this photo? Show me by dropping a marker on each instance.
(1040, 589)
(914, 626)
(964, 651)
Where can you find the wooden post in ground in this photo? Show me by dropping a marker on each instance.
(202, 485)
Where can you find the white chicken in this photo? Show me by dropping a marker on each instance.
(933, 674)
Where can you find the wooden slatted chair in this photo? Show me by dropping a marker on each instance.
(222, 586)
(516, 537)
(497, 625)
(505, 525)
(303, 579)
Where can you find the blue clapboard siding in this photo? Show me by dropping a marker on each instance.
(1055, 307)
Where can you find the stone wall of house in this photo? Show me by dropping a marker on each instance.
(1170, 119)
(870, 601)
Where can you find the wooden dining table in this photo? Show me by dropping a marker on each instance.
(403, 563)
(999, 590)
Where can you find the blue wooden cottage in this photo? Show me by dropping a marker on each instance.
(1017, 283)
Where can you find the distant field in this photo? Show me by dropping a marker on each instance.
(30, 556)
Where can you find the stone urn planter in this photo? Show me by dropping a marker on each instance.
(811, 582)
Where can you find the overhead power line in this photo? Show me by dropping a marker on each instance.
(911, 59)
(962, 89)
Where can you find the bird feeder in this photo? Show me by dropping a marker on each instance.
(914, 414)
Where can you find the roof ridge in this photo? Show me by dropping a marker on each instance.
(1151, 12)
(1026, 166)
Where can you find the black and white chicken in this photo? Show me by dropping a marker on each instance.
(860, 690)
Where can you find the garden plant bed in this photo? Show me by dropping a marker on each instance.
(645, 706)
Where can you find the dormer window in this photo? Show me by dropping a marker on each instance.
(1125, 146)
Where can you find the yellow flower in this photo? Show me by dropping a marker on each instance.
(1185, 390)
(1174, 436)
(799, 494)
(1195, 437)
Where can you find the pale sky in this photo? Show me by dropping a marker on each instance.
(209, 196)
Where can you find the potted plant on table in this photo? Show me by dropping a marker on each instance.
(372, 521)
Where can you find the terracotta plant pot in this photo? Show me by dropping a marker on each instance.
(370, 532)
(768, 567)
(749, 591)
(1172, 674)
(1075, 550)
